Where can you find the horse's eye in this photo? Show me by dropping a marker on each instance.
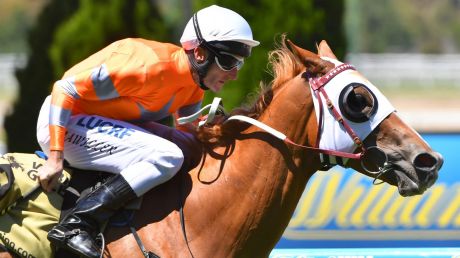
(357, 103)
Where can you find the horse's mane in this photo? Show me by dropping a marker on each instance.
(284, 66)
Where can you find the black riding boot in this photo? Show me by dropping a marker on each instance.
(78, 230)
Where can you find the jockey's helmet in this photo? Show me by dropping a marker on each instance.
(224, 33)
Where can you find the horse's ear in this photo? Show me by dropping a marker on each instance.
(310, 60)
(325, 50)
(306, 57)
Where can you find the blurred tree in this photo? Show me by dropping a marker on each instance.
(58, 43)
(375, 27)
(421, 26)
(34, 79)
(306, 23)
(13, 32)
(427, 35)
(99, 23)
(16, 16)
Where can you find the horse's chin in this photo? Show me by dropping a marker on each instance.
(406, 186)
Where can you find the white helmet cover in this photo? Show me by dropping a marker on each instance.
(218, 24)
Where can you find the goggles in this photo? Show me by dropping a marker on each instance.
(227, 62)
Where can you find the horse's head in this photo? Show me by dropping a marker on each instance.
(391, 150)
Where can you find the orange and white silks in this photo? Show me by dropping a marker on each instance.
(131, 79)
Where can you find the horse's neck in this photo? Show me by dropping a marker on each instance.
(263, 179)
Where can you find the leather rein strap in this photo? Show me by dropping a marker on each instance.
(317, 85)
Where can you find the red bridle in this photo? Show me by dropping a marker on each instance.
(317, 84)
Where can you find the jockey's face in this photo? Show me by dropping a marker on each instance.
(216, 77)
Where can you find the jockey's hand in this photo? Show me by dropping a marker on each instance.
(49, 173)
(219, 119)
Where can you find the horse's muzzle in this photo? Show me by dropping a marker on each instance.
(427, 166)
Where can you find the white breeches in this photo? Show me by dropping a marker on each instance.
(103, 144)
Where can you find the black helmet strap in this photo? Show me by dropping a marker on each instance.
(201, 68)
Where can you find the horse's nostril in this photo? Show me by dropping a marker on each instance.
(425, 161)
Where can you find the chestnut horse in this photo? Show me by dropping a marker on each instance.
(239, 201)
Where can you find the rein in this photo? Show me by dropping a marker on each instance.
(317, 84)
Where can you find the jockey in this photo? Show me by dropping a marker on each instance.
(89, 118)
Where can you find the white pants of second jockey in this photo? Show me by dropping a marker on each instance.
(103, 144)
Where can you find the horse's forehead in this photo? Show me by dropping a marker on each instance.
(332, 60)
(333, 137)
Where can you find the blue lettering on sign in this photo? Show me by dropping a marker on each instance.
(105, 127)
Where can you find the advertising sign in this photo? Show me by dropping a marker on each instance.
(342, 208)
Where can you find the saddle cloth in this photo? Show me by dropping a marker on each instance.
(26, 212)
